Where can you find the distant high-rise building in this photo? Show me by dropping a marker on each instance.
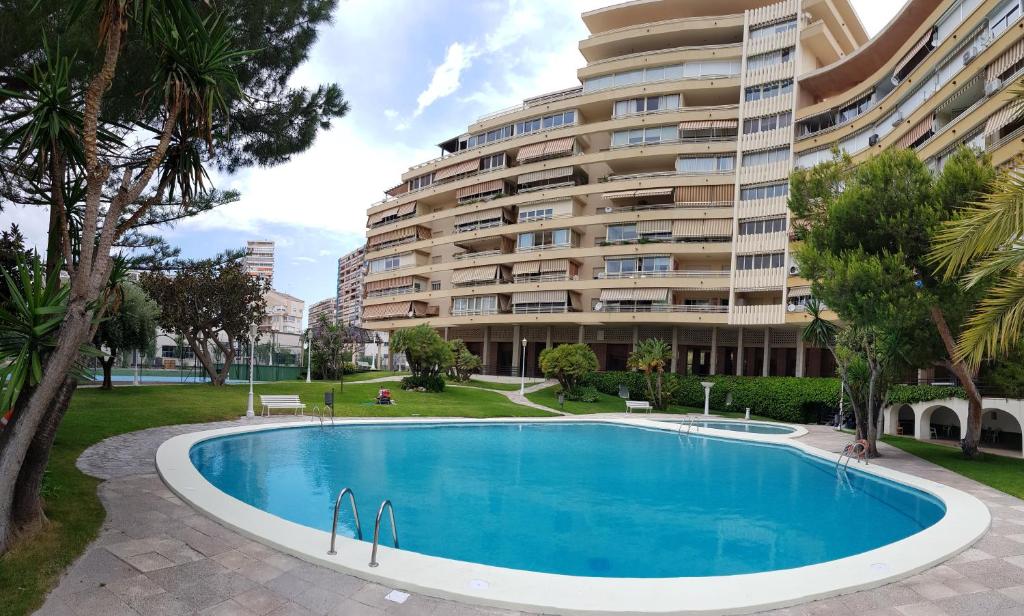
(324, 308)
(349, 308)
(259, 258)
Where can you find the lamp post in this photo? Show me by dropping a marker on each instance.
(380, 349)
(309, 353)
(522, 378)
(135, 374)
(707, 394)
(252, 355)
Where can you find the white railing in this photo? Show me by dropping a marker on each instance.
(634, 114)
(555, 309)
(391, 292)
(544, 247)
(707, 139)
(665, 274)
(483, 225)
(640, 54)
(533, 102)
(473, 312)
(482, 253)
(699, 308)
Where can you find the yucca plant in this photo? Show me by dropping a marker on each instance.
(650, 357)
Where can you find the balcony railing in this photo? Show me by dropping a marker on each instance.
(546, 277)
(663, 274)
(482, 253)
(473, 312)
(699, 308)
(669, 206)
(700, 139)
(483, 225)
(533, 102)
(556, 309)
(392, 292)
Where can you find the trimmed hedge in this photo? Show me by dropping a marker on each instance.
(909, 394)
(433, 384)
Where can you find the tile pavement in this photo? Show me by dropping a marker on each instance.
(157, 556)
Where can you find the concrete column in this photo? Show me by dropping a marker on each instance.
(485, 356)
(446, 334)
(714, 351)
(767, 354)
(739, 352)
(547, 340)
(922, 376)
(581, 336)
(636, 336)
(800, 350)
(516, 344)
(675, 350)
(391, 351)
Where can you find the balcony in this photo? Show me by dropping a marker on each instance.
(663, 308)
(602, 275)
(758, 314)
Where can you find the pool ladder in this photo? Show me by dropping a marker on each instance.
(322, 413)
(359, 529)
(689, 426)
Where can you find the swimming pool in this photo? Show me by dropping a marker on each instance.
(575, 514)
(752, 427)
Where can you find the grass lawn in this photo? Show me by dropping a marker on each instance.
(604, 404)
(489, 385)
(28, 571)
(1000, 472)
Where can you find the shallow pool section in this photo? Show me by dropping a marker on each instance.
(581, 499)
(750, 427)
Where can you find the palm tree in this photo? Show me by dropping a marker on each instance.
(650, 357)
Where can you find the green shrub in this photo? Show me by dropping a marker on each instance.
(582, 393)
(909, 394)
(432, 383)
(608, 383)
(568, 363)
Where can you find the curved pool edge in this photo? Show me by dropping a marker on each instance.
(966, 520)
(796, 430)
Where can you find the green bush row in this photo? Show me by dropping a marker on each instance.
(909, 394)
(431, 383)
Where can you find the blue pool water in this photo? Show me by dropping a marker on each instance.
(740, 426)
(583, 499)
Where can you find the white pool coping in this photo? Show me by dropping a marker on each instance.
(797, 431)
(966, 520)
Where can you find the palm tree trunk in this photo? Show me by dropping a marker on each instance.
(969, 444)
(108, 365)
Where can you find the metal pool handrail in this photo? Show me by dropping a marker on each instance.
(355, 514)
(376, 530)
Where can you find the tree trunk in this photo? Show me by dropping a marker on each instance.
(969, 444)
(27, 511)
(108, 364)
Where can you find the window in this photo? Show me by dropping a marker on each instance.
(385, 264)
(497, 134)
(755, 227)
(763, 192)
(481, 305)
(772, 30)
(620, 266)
(656, 264)
(168, 351)
(705, 164)
(772, 58)
(688, 70)
(649, 134)
(768, 90)
(536, 214)
(646, 105)
(769, 122)
(761, 261)
(1002, 18)
(494, 161)
(765, 157)
(621, 233)
(421, 182)
(545, 122)
(542, 239)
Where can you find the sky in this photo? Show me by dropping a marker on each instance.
(415, 74)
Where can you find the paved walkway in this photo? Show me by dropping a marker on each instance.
(156, 556)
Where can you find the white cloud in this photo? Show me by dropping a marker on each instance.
(445, 81)
(390, 114)
(324, 253)
(304, 260)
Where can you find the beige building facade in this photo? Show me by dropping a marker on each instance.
(259, 258)
(324, 308)
(349, 300)
(650, 201)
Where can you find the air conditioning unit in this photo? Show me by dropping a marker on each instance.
(969, 54)
(873, 140)
(897, 120)
(791, 307)
(794, 267)
(993, 86)
(607, 210)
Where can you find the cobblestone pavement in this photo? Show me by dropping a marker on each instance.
(157, 556)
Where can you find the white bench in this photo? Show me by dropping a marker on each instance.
(638, 405)
(270, 403)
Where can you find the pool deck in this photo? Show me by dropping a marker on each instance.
(157, 556)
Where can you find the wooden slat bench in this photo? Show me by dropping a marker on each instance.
(270, 403)
(637, 405)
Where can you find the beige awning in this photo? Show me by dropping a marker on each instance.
(1010, 57)
(714, 193)
(634, 295)
(919, 130)
(1000, 118)
(466, 166)
(554, 147)
(705, 124)
(540, 297)
(390, 283)
(484, 273)
(397, 235)
(710, 227)
(398, 211)
(479, 189)
(554, 265)
(925, 41)
(527, 267)
(544, 174)
(654, 226)
(644, 192)
(798, 291)
(471, 217)
(391, 310)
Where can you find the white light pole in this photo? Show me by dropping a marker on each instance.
(309, 354)
(252, 355)
(707, 394)
(522, 378)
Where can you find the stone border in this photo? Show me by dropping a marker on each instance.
(796, 431)
(966, 520)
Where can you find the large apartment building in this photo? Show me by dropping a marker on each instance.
(326, 308)
(351, 269)
(259, 258)
(651, 199)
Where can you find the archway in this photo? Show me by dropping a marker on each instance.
(905, 421)
(1000, 430)
(940, 423)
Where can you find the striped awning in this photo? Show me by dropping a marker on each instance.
(390, 283)
(709, 227)
(914, 133)
(554, 147)
(471, 217)
(392, 310)
(1000, 118)
(634, 295)
(540, 297)
(544, 174)
(705, 124)
(714, 193)
(654, 226)
(1010, 57)
(644, 192)
(484, 273)
(527, 267)
(398, 211)
(397, 235)
(394, 191)
(554, 265)
(925, 41)
(479, 189)
(466, 166)
(799, 291)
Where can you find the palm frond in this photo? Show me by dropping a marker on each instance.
(997, 323)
